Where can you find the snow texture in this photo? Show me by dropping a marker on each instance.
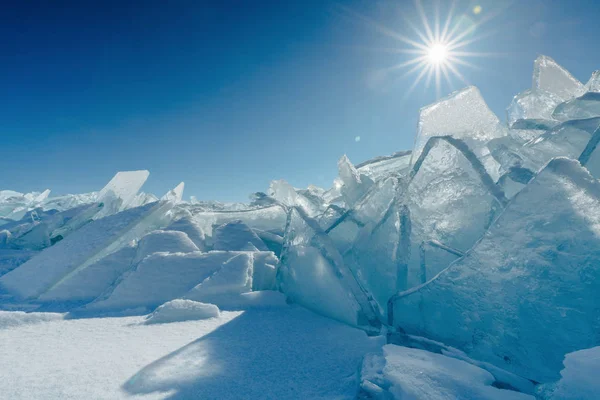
(179, 310)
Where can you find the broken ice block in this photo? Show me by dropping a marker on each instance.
(354, 184)
(568, 139)
(174, 195)
(166, 241)
(285, 193)
(87, 284)
(378, 258)
(312, 273)
(526, 293)
(552, 78)
(93, 242)
(593, 85)
(585, 106)
(234, 236)
(532, 105)
(381, 168)
(120, 191)
(271, 218)
(225, 285)
(158, 278)
(462, 115)
(452, 200)
(190, 227)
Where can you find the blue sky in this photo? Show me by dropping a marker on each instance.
(228, 95)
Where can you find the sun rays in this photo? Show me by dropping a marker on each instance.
(436, 46)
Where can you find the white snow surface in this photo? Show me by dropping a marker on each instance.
(182, 310)
(579, 379)
(269, 353)
(411, 374)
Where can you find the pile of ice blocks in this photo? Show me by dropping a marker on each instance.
(485, 237)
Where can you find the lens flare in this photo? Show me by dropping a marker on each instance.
(437, 49)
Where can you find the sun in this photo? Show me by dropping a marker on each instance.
(437, 53)
(438, 48)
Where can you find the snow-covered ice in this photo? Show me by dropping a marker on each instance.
(484, 237)
(269, 353)
(182, 310)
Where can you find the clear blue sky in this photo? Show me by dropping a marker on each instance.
(228, 95)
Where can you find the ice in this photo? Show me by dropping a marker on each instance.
(462, 115)
(18, 318)
(174, 195)
(452, 200)
(383, 167)
(404, 373)
(312, 273)
(87, 284)
(285, 194)
(524, 295)
(579, 378)
(164, 241)
(182, 310)
(585, 106)
(122, 189)
(159, 278)
(235, 235)
(14, 205)
(224, 286)
(568, 139)
(532, 107)
(189, 226)
(593, 85)
(264, 270)
(554, 79)
(53, 264)
(164, 276)
(269, 218)
(484, 236)
(354, 184)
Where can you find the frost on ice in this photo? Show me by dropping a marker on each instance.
(485, 237)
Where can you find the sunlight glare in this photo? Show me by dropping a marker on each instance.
(437, 53)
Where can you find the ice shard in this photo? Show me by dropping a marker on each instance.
(554, 79)
(40, 273)
(354, 184)
(568, 139)
(593, 85)
(462, 115)
(582, 107)
(526, 293)
(452, 200)
(285, 194)
(532, 108)
(381, 168)
(270, 218)
(120, 191)
(312, 273)
(175, 195)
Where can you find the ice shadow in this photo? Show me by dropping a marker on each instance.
(284, 353)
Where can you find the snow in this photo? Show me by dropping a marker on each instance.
(579, 378)
(11, 319)
(407, 373)
(182, 310)
(269, 353)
